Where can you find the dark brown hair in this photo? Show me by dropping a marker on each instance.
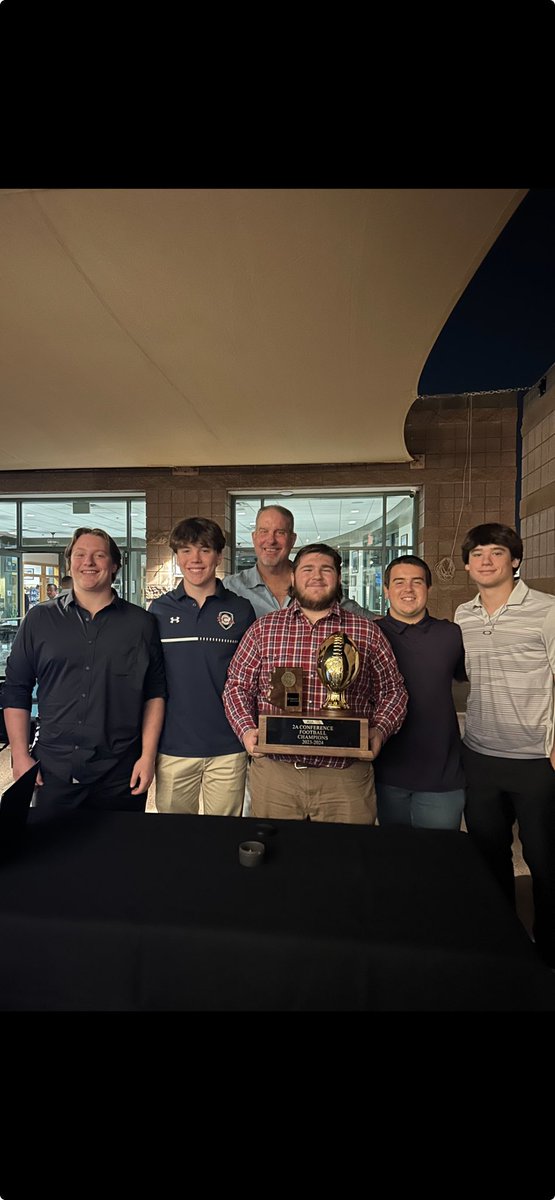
(493, 534)
(193, 530)
(319, 548)
(408, 558)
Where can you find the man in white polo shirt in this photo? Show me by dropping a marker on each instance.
(508, 747)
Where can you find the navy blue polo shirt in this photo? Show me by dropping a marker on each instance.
(425, 755)
(198, 644)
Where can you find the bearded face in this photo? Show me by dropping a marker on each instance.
(316, 582)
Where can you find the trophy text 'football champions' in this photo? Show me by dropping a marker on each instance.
(330, 730)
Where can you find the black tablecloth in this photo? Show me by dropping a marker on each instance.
(146, 912)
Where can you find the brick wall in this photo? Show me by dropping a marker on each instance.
(537, 507)
(464, 451)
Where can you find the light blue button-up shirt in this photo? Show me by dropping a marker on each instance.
(250, 583)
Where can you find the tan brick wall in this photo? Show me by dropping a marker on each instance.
(537, 507)
(464, 472)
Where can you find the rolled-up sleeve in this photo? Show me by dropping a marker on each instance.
(17, 690)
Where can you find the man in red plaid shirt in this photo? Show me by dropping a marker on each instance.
(313, 787)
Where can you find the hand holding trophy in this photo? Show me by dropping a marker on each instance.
(328, 731)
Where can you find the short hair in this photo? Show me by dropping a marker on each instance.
(115, 552)
(285, 512)
(192, 531)
(408, 558)
(493, 534)
(66, 582)
(319, 548)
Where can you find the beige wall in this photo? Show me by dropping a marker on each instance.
(537, 508)
(464, 470)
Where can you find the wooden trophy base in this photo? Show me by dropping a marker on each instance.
(327, 733)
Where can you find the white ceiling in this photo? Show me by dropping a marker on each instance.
(205, 327)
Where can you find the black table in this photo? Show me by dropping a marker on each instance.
(153, 912)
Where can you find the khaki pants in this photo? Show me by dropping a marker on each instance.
(282, 790)
(222, 779)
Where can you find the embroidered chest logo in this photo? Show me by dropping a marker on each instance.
(226, 620)
(175, 619)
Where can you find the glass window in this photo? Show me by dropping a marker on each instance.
(8, 524)
(49, 522)
(47, 525)
(367, 529)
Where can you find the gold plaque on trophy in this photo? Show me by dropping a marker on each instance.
(331, 731)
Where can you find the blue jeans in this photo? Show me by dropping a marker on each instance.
(422, 810)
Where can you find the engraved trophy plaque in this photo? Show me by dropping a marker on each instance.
(330, 731)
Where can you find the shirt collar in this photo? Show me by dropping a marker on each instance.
(518, 594)
(179, 592)
(402, 626)
(67, 598)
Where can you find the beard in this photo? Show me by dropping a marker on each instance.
(317, 603)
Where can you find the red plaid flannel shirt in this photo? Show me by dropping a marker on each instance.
(287, 638)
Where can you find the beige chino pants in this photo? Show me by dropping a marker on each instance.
(282, 790)
(222, 779)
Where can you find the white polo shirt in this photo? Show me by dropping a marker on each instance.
(510, 662)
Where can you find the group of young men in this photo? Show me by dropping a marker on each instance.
(176, 692)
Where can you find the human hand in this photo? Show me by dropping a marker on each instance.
(375, 742)
(250, 742)
(22, 763)
(142, 775)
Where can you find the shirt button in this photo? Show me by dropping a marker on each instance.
(87, 668)
(83, 694)
(76, 747)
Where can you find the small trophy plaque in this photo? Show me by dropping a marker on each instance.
(286, 689)
(332, 731)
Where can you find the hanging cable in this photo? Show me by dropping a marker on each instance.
(445, 568)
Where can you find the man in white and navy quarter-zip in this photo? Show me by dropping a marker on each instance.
(201, 624)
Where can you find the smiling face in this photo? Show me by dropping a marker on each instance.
(91, 565)
(273, 538)
(491, 567)
(316, 582)
(197, 564)
(407, 592)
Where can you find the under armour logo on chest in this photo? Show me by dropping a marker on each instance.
(175, 619)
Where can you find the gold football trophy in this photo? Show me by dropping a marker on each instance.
(330, 731)
(337, 665)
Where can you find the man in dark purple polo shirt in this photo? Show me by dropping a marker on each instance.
(419, 774)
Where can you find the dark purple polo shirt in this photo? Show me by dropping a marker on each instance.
(425, 755)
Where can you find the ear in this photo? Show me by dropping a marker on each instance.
(294, 539)
(467, 566)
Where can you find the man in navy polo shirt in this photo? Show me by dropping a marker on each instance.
(201, 625)
(419, 774)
